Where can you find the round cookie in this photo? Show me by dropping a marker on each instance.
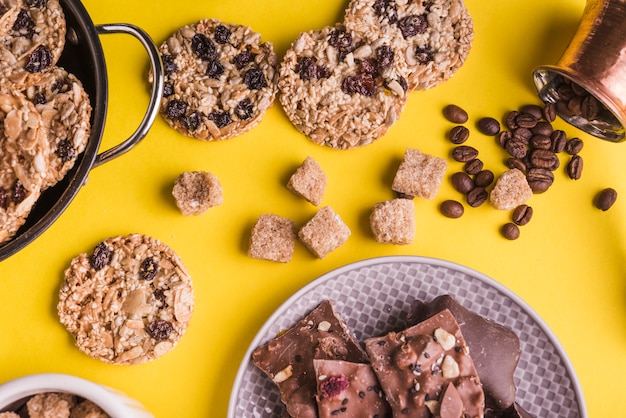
(24, 154)
(32, 35)
(128, 302)
(64, 106)
(435, 35)
(339, 90)
(219, 79)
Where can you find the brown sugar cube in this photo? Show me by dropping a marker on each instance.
(419, 175)
(393, 221)
(273, 238)
(50, 404)
(309, 181)
(511, 190)
(197, 191)
(88, 409)
(324, 232)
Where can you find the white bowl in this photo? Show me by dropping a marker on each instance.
(15, 393)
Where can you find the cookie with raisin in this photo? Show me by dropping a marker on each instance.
(127, 302)
(24, 154)
(341, 90)
(32, 35)
(65, 109)
(435, 36)
(220, 79)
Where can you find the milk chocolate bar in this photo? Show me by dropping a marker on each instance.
(426, 370)
(288, 358)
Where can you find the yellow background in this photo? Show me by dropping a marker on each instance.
(568, 264)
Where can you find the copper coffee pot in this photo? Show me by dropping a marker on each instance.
(588, 83)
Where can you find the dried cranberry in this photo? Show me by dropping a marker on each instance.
(243, 58)
(160, 330)
(169, 66)
(36, 3)
(101, 256)
(203, 47)
(424, 55)
(39, 60)
(220, 118)
(24, 24)
(334, 385)
(254, 79)
(39, 98)
(192, 121)
(412, 25)
(362, 83)
(244, 109)
(148, 268)
(386, 9)
(65, 151)
(4, 198)
(214, 69)
(19, 192)
(176, 109)
(384, 56)
(168, 89)
(159, 295)
(222, 34)
(62, 85)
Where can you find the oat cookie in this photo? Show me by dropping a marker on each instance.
(128, 302)
(32, 35)
(434, 35)
(220, 78)
(23, 160)
(64, 106)
(339, 90)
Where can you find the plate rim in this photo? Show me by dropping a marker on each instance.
(413, 259)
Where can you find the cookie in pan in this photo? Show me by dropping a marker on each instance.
(127, 302)
(219, 79)
(24, 151)
(32, 35)
(435, 36)
(340, 90)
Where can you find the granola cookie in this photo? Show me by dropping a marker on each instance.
(219, 79)
(339, 90)
(66, 112)
(434, 35)
(24, 153)
(32, 35)
(128, 302)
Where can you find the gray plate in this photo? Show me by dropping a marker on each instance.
(374, 296)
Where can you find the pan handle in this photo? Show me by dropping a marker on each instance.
(157, 89)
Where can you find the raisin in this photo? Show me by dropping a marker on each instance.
(386, 9)
(24, 24)
(168, 89)
(39, 98)
(65, 151)
(369, 66)
(243, 58)
(412, 25)
(244, 109)
(160, 330)
(36, 3)
(341, 40)
(254, 79)
(39, 60)
(63, 85)
(3, 9)
(176, 109)
(424, 55)
(19, 192)
(214, 69)
(159, 295)
(148, 268)
(192, 121)
(220, 118)
(101, 256)
(222, 34)
(384, 56)
(334, 385)
(169, 66)
(4, 198)
(362, 83)
(308, 69)
(203, 47)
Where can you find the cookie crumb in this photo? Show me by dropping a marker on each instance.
(197, 191)
(511, 190)
(324, 233)
(393, 221)
(309, 181)
(419, 174)
(273, 238)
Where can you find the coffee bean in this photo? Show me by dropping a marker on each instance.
(523, 133)
(563, 110)
(574, 146)
(455, 114)
(590, 107)
(549, 112)
(575, 167)
(574, 105)
(517, 147)
(484, 178)
(526, 120)
(559, 139)
(544, 159)
(464, 153)
(477, 196)
(605, 199)
(541, 142)
(488, 126)
(533, 109)
(564, 91)
(474, 166)
(577, 89)
(509, 121)
(462, 182)
(522, 215)
(510, 231)
(516, 163)
(452, 209)
(543, 128)
(458, 134)
(539, 179)
(503, 137)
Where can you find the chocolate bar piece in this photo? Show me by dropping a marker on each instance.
(348, 389)
(495, 349)
(426, 370)
(288, 358)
